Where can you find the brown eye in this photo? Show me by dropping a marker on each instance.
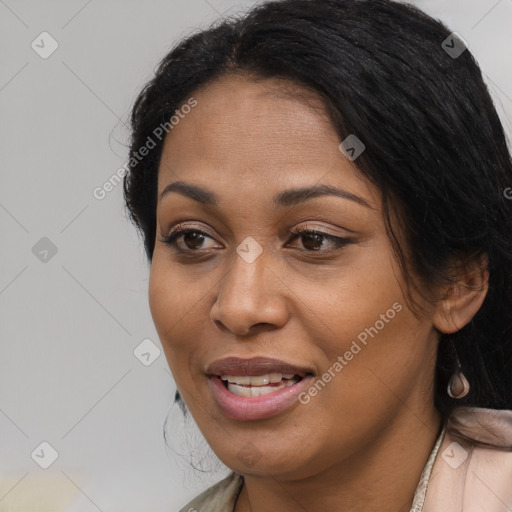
(193, 239)
(312, 240)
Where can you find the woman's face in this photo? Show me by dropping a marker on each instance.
(326, 312)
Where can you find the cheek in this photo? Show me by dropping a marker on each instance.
(373, 359)
(361, 299)
(162, 300)
(174, 295)
(372, 344)
(172, 303)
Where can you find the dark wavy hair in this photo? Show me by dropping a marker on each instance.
(435, 147)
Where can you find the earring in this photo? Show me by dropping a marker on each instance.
(458, 387)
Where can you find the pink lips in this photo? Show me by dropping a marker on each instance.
(257, 407)
(253, 366)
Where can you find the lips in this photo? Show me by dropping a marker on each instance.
(256, 388)
(255, 366)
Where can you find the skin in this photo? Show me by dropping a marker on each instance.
(362, 442)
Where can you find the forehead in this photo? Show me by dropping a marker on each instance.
(269, 133)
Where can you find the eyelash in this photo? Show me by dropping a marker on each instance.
(338, 242)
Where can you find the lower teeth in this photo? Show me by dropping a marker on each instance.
(250, 391)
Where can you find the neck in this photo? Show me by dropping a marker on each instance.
(382, 476)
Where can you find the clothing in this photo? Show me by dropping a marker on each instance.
(474, 471)
(468, 470)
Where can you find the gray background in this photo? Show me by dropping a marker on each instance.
(69, 324)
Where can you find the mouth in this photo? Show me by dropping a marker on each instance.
(256, 388)
(249, 386)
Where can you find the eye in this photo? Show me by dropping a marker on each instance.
(192, 239)
(312, 239)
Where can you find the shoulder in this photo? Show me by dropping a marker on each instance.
(474, 463)
(220, 497)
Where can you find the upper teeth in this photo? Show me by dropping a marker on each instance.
(260, 380)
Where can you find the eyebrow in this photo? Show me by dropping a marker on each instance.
(287, 198)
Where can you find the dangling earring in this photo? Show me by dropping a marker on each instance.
(458, 387)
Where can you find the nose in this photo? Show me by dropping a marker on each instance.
(251, 297)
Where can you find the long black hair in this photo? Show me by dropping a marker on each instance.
(435, 147)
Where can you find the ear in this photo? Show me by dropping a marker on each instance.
(461, 300)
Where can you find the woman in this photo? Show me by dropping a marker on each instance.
(323, 206)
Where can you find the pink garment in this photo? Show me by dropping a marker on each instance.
(473, 468)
